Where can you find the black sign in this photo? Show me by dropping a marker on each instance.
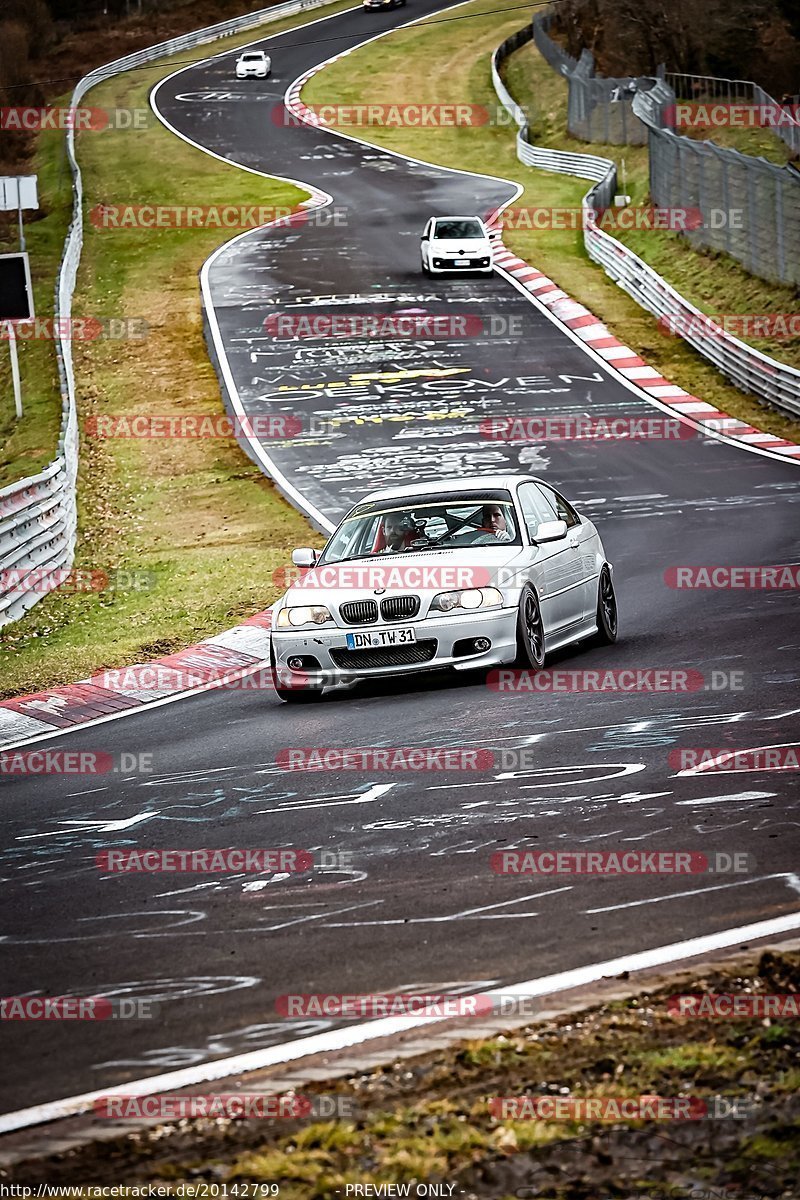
(16, 293)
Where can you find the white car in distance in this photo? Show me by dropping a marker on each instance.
(456, 244)
(461, 573)
(253, 64)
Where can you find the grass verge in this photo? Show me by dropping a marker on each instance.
(199, 526)
(29, 444)
(429, 1119)
(449, 63)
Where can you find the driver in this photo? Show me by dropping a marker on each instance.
(395, 529)
(493, 520)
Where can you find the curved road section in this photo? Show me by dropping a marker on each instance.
(403, 894)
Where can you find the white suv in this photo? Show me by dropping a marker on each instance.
(456, 244)
(253, 63)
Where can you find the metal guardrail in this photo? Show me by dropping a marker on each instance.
(38, 515)
(585, 166)
(746, 367)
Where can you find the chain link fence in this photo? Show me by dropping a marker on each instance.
(764, 111)
(747, 368)
(599, 109)
(750, 208)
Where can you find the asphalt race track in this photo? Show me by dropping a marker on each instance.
(416, 903)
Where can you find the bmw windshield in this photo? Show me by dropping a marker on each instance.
(420, 525)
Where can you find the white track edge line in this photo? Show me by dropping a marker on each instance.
(355, 1035)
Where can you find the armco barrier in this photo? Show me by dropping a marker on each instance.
(747, 368)
(38, 516)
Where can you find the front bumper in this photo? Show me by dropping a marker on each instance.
(441, 265)
(326, 646)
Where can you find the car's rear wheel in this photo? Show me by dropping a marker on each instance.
(296, 695)
(606, 610)
(530, 632)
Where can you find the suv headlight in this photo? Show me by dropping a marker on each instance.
(311, 614)
(468, 600)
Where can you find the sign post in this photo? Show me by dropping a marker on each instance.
(16, 304)
(12, 345)
(16, 295)
(18, 191)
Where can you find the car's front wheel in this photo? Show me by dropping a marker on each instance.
(606, 610)
(426, 271)
(295, 695)
(530, 632)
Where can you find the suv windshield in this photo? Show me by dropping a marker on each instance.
(457, 229)
(418, 526)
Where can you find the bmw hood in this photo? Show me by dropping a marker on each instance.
(424, 574)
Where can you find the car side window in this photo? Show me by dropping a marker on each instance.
(428, 228)
(561, 507)
(535, 507)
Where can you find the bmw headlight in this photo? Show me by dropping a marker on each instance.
(311, 614)
(469, 600)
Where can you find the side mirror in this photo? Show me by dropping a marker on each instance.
(549, 531)
(306, 557)
(425, 238)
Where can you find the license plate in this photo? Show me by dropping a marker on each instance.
(461, 262)
(380, 637)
